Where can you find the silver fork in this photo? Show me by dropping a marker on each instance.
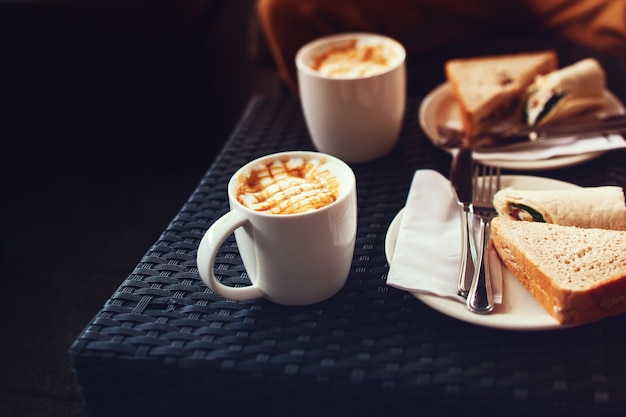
(485, 183)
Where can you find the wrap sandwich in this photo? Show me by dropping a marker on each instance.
(588, 207)
(564, 93)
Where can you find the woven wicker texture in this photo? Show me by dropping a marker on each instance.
(164, 344)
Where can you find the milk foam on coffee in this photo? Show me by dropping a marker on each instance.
(356, 59)
(291, 186)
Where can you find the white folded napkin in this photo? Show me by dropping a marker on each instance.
(552, 148)
(427, 254)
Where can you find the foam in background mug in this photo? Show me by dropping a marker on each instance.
(353, 92)
(294, 216)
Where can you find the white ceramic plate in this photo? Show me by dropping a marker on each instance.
(519, 310)
(439, 107)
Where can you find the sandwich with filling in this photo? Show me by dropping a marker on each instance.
(588, 207)
(567, 92)
(491, 90)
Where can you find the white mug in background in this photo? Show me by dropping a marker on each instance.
(354, 115)
(291, 259)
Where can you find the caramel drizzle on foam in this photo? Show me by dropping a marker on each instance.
(288, 187)
(351, 60)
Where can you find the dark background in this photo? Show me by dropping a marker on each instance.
(109, 116)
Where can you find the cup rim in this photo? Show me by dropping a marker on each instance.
(311, 154)
(337, 37)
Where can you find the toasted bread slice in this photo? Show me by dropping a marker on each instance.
(577, 275)
(492, 89)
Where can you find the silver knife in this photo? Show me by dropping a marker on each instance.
(461, 179)
(449, 137)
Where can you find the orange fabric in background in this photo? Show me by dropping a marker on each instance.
(423, 24)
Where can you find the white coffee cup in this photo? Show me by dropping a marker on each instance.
(291, 259)
(354, 117)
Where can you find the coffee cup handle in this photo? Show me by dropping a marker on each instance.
(207, 251)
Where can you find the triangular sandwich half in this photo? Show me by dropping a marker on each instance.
(492, 89)
(577, 275)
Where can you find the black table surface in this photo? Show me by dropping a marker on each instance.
(164, 344)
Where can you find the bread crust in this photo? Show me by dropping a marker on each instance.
(567, 306)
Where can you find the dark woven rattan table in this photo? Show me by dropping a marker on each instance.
(164, 344)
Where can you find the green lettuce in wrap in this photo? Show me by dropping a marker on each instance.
(564, 93)
(588, 207)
